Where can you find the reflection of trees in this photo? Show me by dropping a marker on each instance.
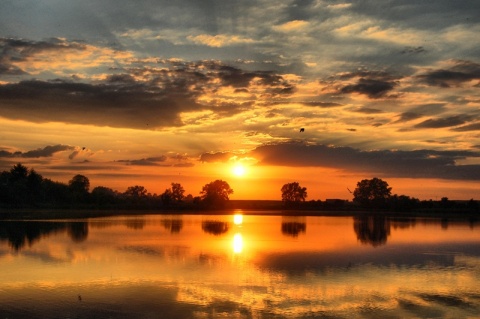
(173, 225)
(215, 227)
(19, 233)
(372, 229)
(137, 223)
(293, 226)
(403, 223)
(78, 231)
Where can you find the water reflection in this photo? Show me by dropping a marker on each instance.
(215, 227)
(174, 225)
(237, 243)
(19, 234)
(293, 226)
(238, 219)
(135, 223)
(372, 229)
(253, 267)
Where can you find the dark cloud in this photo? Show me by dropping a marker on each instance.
(163, 161)
(144, 98)
(372, 88)
(462, 71)
(424, 15)
(413, 50)
(369, 74)
(412, 164)
(47, 151)
(216, 157)
(444, 122)
(150, 161)
(16, 50)
(321, 104)
(408, 116)
(368, 110)
(241, 79)
(470, 127)
(137, 106)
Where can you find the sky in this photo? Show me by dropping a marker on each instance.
(151, 92)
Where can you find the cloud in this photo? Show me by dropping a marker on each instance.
(408, 116)
(458, 74)
(127, 105)
(409, 164)
(150, 161)
(444, 122)
(141, 97)
(47, 151)
(292, 26)
(219, 40)
(374, 89)
(413, 50)
(163, 161)
(466, 128)
(216, 157)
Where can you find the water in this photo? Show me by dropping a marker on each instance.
(240, 266)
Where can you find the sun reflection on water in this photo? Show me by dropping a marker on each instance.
(237, 243)
(238, 219)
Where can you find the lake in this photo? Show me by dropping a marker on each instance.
(240, 266)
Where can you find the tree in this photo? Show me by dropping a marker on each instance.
(216, 193)
(173, 195)
(34, 186)
(79, 186)
(103, 196)
(372, 193)
(293, 193)
(18, 172)
(17, 185)
(136, 192)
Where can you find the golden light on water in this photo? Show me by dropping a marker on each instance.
(237, 243)
(238, 219)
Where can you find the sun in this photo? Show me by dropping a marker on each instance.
(239, 170)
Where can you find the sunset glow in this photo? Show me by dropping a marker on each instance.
(239, 170)
(323, 93)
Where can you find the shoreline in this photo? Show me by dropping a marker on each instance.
(67, 214)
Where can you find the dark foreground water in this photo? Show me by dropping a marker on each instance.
(240, 266)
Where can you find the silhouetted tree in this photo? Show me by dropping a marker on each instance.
(79, 186)
(34, 187)
(17, 185)
(19, 172)
(216, 193)
(293, 193)
(403, 203)
(372, 193)
(136, 192)
(104, 196)
(136, 195)
(57, 194)
(173, 195)
(79, 183)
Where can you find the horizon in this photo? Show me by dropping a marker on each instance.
(321, 92)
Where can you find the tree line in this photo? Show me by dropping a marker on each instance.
(372, 194)
(22, 187)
